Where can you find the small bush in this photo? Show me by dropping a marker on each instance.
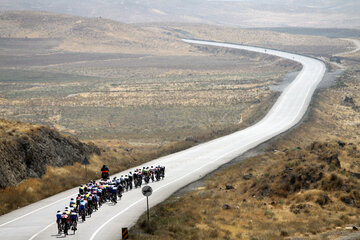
(269, 214)
(214, 233)
(148, 227)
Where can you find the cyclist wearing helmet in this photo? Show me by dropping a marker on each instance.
(105, 172)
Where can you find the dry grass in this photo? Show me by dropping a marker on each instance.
(270, 205)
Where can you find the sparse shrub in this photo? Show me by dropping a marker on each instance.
(269, 213)
(323, 199)
(284, 234)
(214, 233)
(149, 227)
(333, 183)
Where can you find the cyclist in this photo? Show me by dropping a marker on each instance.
(78, 198)
(81, 189)
(140, 177)
(135, 177)
(152, 173)
(126, 181)
(67, 210)
(90, 203)
(58, 218)
(65, 222)
(105, 172)
(72, 202)
(114, 190)
(162, 171)
(146, 174)
(130, 179)
(122, 181)
(157, 173)
(73, 219)
(95, 200)
(120, 189)
(100, 194)
(82, 210)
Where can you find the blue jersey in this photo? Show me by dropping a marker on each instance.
(73, 216)
(58, 217)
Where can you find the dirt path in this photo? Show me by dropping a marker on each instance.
(356, 42)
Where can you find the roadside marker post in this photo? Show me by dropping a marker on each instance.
(125, 233)
(147, 191)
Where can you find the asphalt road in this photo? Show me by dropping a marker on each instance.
(37, 221)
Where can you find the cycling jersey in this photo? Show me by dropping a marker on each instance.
(58, 217)
(64, 218)
(74, 216)
(82, 205)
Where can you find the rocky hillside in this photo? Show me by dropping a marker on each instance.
(328, 167)
(26, 150)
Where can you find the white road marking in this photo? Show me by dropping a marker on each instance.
(36, 234)
(38, 209)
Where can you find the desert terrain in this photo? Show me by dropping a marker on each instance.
(303, 186)
(98, 79)
(233, 13)
(139, 92)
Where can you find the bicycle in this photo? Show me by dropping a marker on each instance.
(82, 214)
(64, 227)
(74, 226)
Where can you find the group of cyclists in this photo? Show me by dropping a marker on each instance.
(94, 194)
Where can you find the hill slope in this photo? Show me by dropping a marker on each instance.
(26, 150)
(80, 34)
(244, 13)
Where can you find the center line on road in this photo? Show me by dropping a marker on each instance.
(15, 219)
(36, 234)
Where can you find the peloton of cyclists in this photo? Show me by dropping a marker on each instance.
(94, 194)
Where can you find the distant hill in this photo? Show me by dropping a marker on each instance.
(81, 34)
(239, 13)
(26, 150)
(326, 32)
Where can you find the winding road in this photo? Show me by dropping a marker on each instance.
(37, 221)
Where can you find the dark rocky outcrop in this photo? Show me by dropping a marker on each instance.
(26, 154)
(247, 176)
(226, 207)
(349, 100)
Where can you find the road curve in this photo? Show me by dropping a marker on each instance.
(37, 221)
